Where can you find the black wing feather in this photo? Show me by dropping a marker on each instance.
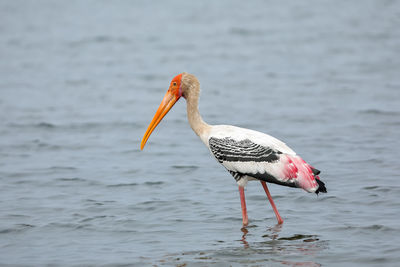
(228, 149)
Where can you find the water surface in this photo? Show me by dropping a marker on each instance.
(81, 80)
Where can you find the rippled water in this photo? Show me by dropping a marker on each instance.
(81, 80)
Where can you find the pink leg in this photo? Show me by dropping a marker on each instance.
(278, 217)
(243, 203)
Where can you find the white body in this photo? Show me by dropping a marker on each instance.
(289, 170)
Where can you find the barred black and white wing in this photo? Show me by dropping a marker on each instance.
(248, 154)
(230, 150)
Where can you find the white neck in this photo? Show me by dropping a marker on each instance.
(201, 128)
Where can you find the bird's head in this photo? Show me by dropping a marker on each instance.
(181, 85)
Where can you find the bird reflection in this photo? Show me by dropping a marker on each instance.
(274, 234)
(281, 246)
(275, 230)
(245, 232)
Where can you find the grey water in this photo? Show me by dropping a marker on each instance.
(81, 80)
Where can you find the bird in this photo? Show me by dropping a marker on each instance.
(246, 154)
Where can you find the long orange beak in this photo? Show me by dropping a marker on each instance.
(167, 103)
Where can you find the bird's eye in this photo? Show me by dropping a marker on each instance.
(174, 84)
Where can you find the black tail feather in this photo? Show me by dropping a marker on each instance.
(321, 187)
(315, 171)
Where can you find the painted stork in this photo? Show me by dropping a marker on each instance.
(246, 154)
